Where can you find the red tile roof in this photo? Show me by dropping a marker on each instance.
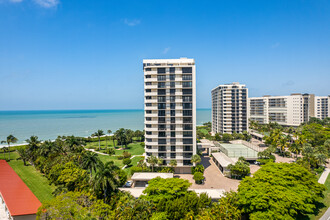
(18, 197)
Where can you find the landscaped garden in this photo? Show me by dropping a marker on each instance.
(36, 181)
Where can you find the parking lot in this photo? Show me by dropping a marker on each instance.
(214, 179)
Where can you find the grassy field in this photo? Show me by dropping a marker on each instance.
(135, 160)
(37, 183)
(106, 158)
(325, 201)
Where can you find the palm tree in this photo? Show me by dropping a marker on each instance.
(106, 139)
(295, 148)
(23, 153)
(11, 139)
(308, 151)
(152, 160)
(98, 134)
(106, 180)
(3, 148)
(33, 145)
(173, 163)
(90, 161)
(196, 159)
(320, 159)
(121, 136)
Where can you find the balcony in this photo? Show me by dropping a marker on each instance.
(154, 79)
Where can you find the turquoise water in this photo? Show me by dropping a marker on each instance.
(47, 125)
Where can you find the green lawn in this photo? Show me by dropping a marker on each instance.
(134, 162)
(37, 183)
(325, 201)
(134, 148)
(106, 158)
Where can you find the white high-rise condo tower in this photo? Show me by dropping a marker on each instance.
(170, 110)
(229, 108)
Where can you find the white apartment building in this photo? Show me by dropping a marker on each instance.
(289, 110)
(229, 108)
(322, 107)
(170, 110)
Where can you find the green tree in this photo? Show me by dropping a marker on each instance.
(198, 177)
(226, 208)
(90, 161)
(168, 189)
(106, 179)
(152, 160)
(217, 137)
(196, 159)
(240, 169)
(23, 153)
(226, 137)
(74, 205)
(98, 134)
(127, 161)
(279, 191)
(173, 163)
(72, 177)
(10, 140)
(106, 138)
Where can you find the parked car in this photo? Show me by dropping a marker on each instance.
(256, 162)
(129, 183)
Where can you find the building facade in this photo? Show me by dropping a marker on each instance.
(289, 110)
(170, 110)
(229, 108)
(322, 107)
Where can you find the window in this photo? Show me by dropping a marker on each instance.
(187, 113)
(148, 97)
(186, 69)
(172, 133)
(148, 76)
(172, 112)
(148, 104)
(172, 84)
(172, 69)
(161, 113)
(161, 141)
(172, 120)
(162, 127)
(161, 98)
(148, 125)
(186, 84)
(161, 70)
(172, 91)
(161, 85)
(148, 112)
(172, 77)
(172, 99)
(161, 91)
(161, 134)
(161, 78)
(186, 77)
(173, 155)
(172, 127)
(188, 141)
(172, 148)
(161, 120)
(148, 132)
(187, 134)
(187, 105)
(148, 118)
(148, 83)
(187, 91)
(172, 105)
(161, 106)
(187, 98)
(148, 90)
(148, 69)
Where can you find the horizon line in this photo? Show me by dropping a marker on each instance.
(85, 109)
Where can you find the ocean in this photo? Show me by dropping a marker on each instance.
(49, 124)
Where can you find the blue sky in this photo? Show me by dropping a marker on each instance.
(65, 54)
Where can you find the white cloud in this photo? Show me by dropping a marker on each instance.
(133, 22)
(165, 51)
(47, 3)
(276, 45)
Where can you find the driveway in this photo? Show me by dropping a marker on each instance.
(214, 179)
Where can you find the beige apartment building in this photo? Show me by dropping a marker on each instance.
(170, 110)
(289, 110)
(229, 108)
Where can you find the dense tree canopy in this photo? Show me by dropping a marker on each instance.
(279, 191)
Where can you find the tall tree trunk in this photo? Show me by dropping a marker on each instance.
(106, 142)
(99, 143)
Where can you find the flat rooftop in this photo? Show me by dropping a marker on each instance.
(223, 159)
(17, 196)
(148, 176)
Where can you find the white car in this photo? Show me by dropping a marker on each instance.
(256, 162)
(129, 183)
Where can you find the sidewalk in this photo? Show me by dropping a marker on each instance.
(324, 176)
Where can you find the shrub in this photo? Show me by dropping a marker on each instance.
(110, 151)
(136, 170)
(319, 170)
(142, 144)
(264, 161)
(198, 177)
(120, 157)
(166, 170)
(126, 154)
(199, 168)
(127, 161)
